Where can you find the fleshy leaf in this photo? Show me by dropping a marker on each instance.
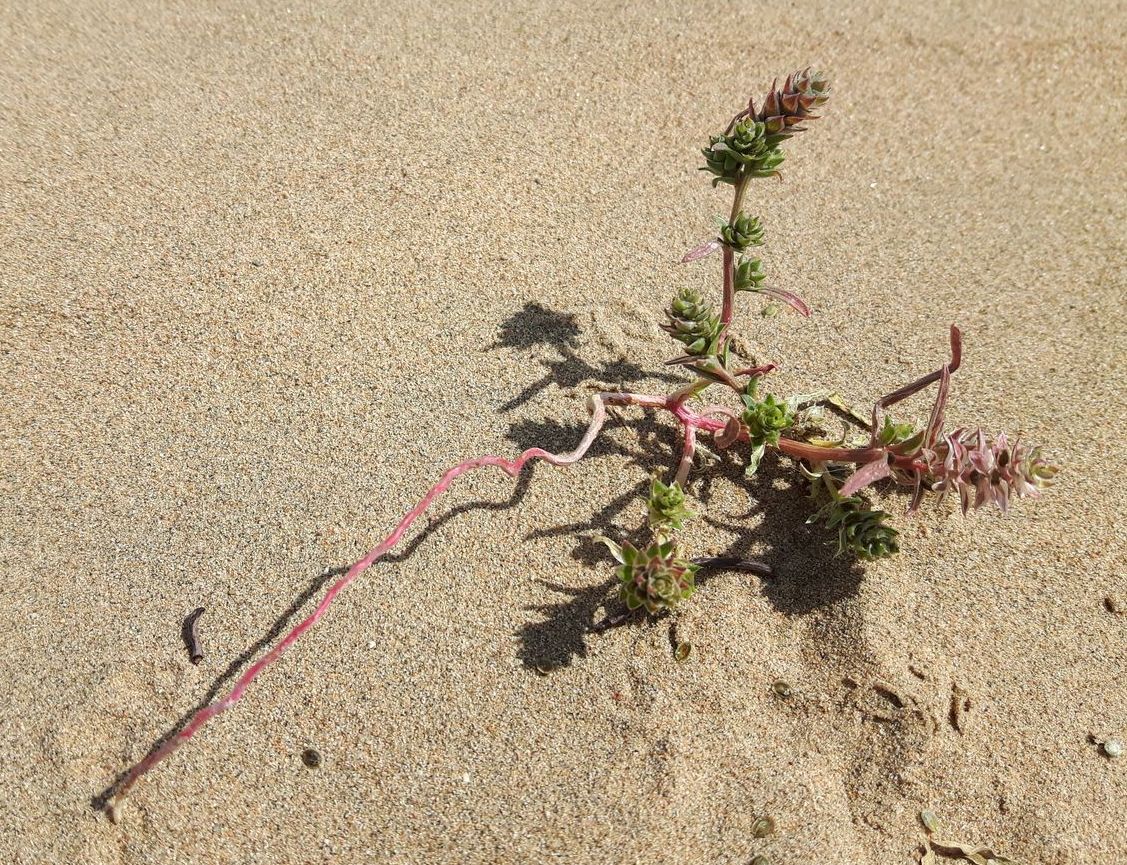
(753, 461)
(615, 549)
(869, 473)
(788, 297)
(703, 251)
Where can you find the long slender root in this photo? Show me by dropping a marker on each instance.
(513, 468)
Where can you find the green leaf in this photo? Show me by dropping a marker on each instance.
(615, 549)
(757, 453)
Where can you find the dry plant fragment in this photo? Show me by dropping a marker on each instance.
(658, 575)
(974, 853)
(192, 635)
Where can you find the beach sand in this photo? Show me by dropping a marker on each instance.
(269, 269)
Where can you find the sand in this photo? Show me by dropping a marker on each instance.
(268, 269)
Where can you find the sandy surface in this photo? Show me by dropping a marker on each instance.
(268, 269)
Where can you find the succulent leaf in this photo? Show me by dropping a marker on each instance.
(693, 322)
(657, 577)
(667, 509)
(894, 433)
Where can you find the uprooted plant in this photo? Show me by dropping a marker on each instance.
(978, 468)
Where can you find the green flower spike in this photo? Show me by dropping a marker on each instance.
(742, 232)
(657, 578)
(667, 510)
(743, 152)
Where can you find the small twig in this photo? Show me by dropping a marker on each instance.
(191, 635)
(616, 620)
(733, 563)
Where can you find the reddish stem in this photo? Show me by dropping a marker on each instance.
(727, 310)
(510, 467)
(689, 448)
(814, 453)
(920, 383)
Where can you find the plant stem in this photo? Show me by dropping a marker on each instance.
(816, 454)
(689, 448)
(727, 310)
(738, 200)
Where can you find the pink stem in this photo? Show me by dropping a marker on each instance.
(814, 453)
(919, 384)
(727, 310)
(719, 409)
(792, 448)
(757, 370)
(510, 467)
(690, 448)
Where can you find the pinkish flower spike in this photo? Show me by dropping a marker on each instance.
(985, 471)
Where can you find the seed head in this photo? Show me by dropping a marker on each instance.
(986, 471)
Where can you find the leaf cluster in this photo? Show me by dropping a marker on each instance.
(667, 511)
(657, 577)
(764, 419)
(747, 150)
(861, 530)
(742, 232)
(693, 321)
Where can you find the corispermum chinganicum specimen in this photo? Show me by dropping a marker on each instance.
(657, 576)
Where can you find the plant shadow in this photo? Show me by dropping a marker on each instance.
(537, 325)
(807, 575)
